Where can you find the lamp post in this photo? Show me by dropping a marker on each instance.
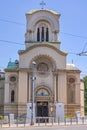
(32, 102)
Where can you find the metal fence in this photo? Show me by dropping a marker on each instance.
(41, 121)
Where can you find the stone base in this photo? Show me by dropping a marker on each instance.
(17, 109)
(70, 110)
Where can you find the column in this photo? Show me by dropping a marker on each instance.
(22, 88)
(55, 84)
(32, 36)
(53, 36)
(77, 93)
(29, 87)
(54, 87)
(57, 87)
(6, 96)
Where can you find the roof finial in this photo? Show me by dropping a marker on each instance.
(72, 61)
(42, 4)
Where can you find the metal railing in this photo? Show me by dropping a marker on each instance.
(41, 121)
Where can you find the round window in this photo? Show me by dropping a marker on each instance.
(42, 68)
(71, 80)
(12, 78)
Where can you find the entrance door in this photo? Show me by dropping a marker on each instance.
(42, 111)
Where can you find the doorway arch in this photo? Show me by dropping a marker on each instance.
(43, 97)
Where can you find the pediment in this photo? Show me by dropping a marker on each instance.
(41, 46)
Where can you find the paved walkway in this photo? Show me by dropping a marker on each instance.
(70, 127)
(42, 125)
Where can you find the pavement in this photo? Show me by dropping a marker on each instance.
(70, 127)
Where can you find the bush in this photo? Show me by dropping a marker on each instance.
(69, 116)
(1, 117)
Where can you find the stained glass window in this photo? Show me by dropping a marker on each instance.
(42, 92)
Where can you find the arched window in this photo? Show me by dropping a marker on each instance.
(71, 91)
(12, 96)
(47, 34)
(42, 33)
(72, 95)
(42, 92)
(38, 34)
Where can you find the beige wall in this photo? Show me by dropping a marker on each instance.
(22, 88)
(44, 80)
(26, 58)
(62, 90)
(77, 75)
(9, 85)
(2, 91)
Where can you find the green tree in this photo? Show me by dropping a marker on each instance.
(85, 94)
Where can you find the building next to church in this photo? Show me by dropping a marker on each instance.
(2, 86)
(56, 81)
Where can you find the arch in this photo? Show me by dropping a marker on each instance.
(42, 92)
(71, 94)
(71, 89)
(44, 59)
(71, 77)
(47, 19)
(42, 29)
(47, 90)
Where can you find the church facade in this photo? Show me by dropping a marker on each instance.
(55, 82)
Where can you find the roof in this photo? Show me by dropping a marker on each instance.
(1, 72)
(42, 45)
(2, 75)
(71, 67)
(12, 65)
(37, 10)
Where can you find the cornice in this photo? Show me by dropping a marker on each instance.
(12, 70)
(42, 45)
(26, 69)
(67, 71)
(42, 10)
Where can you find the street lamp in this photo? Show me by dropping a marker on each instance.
(32, 102)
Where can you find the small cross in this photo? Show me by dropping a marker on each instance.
(42, 4)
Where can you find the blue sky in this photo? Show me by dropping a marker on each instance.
(73, 28)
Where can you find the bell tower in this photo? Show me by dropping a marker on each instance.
(42, 27)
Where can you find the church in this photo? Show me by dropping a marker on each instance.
(41, 77)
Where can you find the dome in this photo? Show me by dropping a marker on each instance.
(71, 67)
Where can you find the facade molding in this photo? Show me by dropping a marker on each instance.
(43, 45)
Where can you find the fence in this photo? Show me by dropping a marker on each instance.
(41, 121)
